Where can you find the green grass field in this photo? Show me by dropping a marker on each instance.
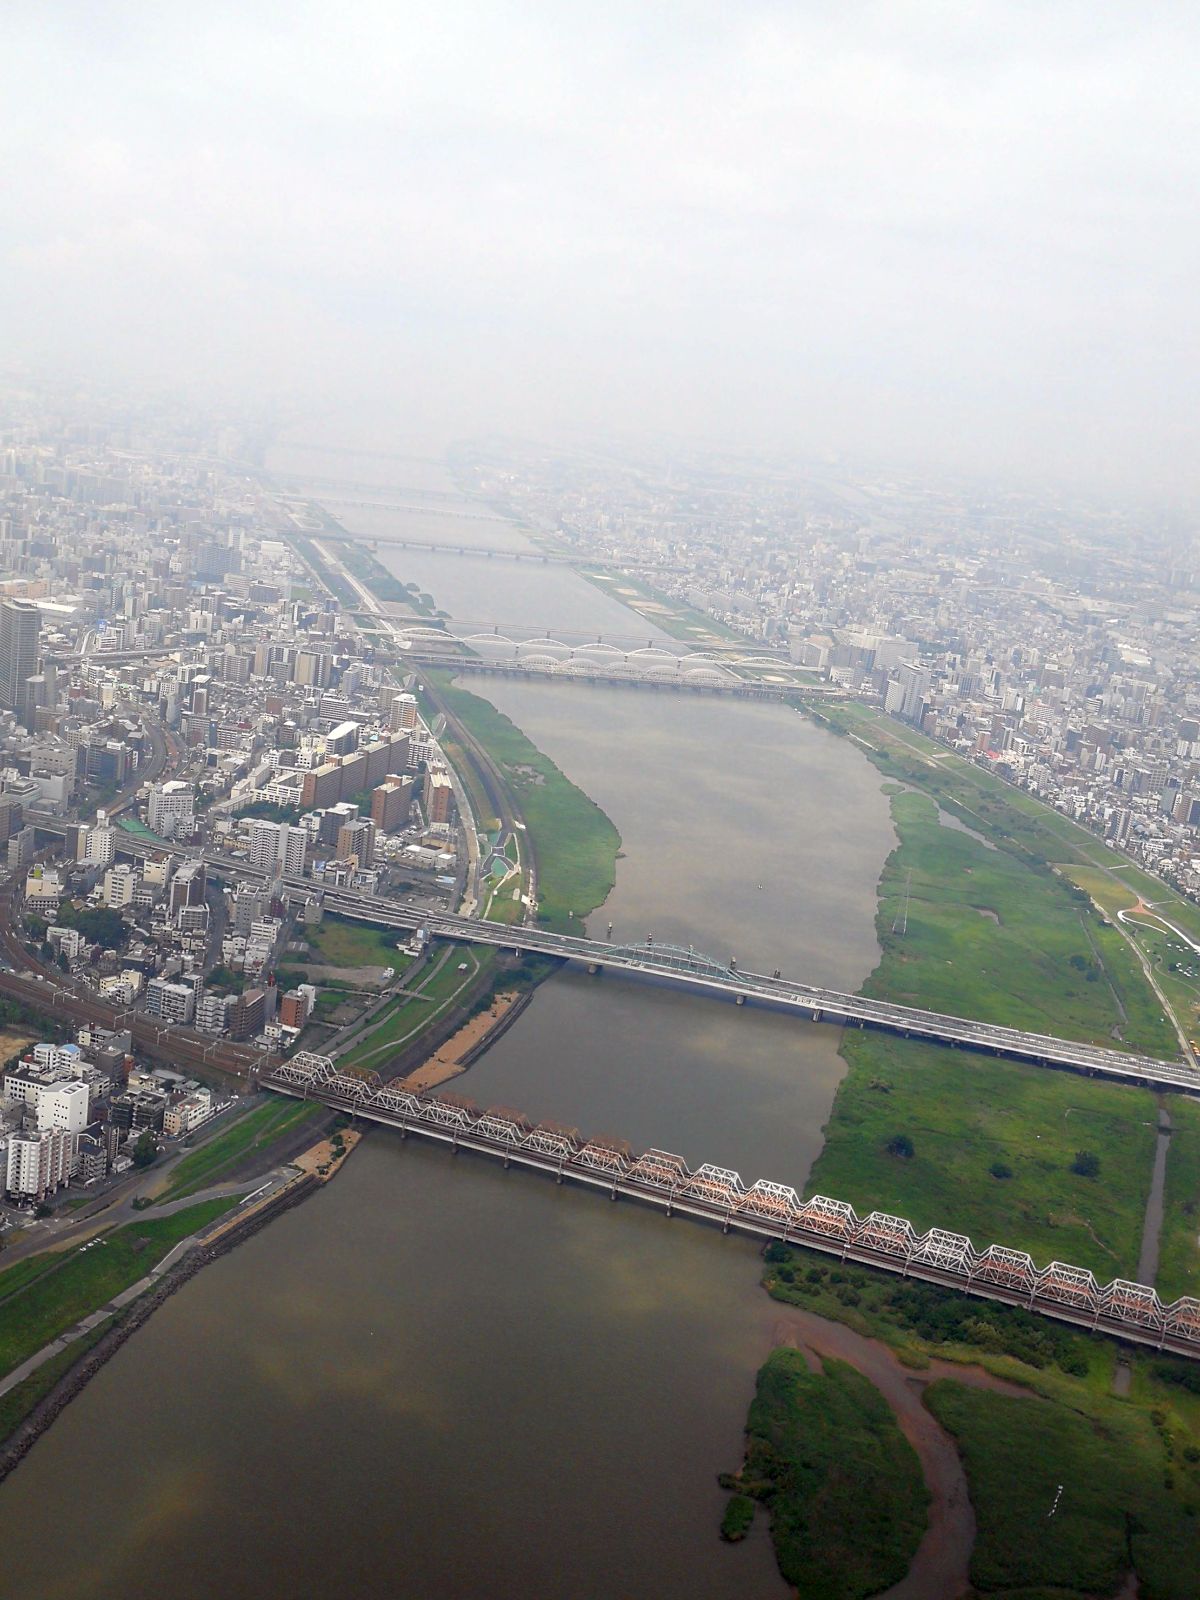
(89, 1278)
(574, 843)
(846, 1495)
(1070, 1500)
(210, 1163)
(412, 1012)
(337, 943)
(1018, 821)
(987, 937)
(997, 934)
(965, 1114)
(1179, 1242)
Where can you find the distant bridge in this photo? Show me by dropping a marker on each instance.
(655, 664)
(766, 1209)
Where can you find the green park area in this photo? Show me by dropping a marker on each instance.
(846, 1497)
(212, 1161)
(36, 1308)
(334, 942)
(573, 842)
(414, 1010)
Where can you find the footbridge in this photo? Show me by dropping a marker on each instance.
(687, 968)
(766, 1209)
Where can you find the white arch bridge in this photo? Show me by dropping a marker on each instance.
(746, 672)
(766, 1209)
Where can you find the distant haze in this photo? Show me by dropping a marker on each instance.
(955, 233)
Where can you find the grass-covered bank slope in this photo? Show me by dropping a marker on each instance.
(963, 1141)
(574, 844)
(825, 1454)
(1070, 1501)
(88, 1278)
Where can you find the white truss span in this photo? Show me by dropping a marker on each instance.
(774, 1210)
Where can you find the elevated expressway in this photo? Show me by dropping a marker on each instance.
(689, 969)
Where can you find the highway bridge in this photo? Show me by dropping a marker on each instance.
(766, 1209)
(689, 969)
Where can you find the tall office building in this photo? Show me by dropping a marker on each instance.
(20, 625)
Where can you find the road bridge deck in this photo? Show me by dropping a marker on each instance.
(690, 969)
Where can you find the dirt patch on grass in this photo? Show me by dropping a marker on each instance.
(451, 1059)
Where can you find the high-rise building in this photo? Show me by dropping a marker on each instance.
(20, 625)
(403, 712)
(278, 847)
(439, 799)
(36, 1163)
(171, 811)
(390, 803)
(357, 839)
(187, 888)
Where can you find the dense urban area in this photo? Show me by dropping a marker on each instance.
(278, 871)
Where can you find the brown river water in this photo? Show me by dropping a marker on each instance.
(440, 1378)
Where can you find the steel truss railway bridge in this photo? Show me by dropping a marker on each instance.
(767, 1210)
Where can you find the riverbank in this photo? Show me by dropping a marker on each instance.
(938, 1344)
(466, 1045)
(197, 1236)
(573, 843)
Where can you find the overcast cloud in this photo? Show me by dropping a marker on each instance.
(960, 232)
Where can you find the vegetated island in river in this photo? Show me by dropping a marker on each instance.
(844, 1489)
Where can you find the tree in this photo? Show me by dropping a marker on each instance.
(63, 963)
(1000, 1169)
(145, 1151)
(1085, 1164)
(900, 1145)
(36, 927)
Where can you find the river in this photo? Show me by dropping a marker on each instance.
(439, 1378)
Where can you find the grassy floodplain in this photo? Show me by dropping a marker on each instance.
(847, 1500)
(1130, 1468)
(88, 1278)
(672, 617)
(1068, 1501)
(574, 843)
(999, 933)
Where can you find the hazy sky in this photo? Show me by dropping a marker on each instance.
(939, 230)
